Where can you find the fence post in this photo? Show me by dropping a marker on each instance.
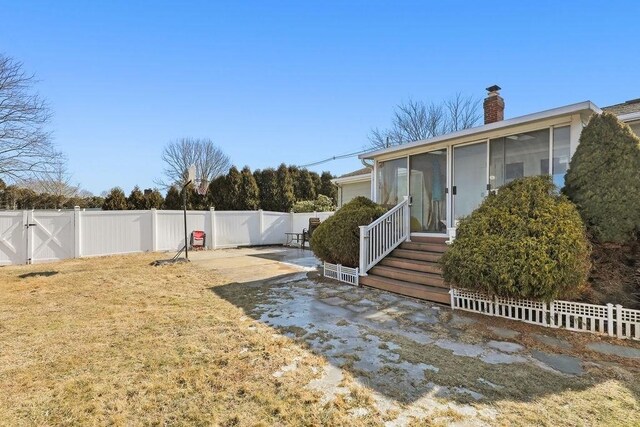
(339, 271)
(291, 230)
(76, 232)
(451, 294)
(610, 319)
(363, 250)
(552, 314)
(619, 321)
(154, 229)
(261, 221)
(212, 219)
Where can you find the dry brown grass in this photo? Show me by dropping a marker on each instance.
(115, 341)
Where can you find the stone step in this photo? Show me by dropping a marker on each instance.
(429, 293)
(411, 264)
(415, 255)
(425, 247)
(410, 276)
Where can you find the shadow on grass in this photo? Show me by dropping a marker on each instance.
(38, 274)
(399, 359)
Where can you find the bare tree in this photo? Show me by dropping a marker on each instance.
(25, 145)
(210, 161)
(415, 120)
(56, 182)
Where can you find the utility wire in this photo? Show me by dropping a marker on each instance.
(341, 156)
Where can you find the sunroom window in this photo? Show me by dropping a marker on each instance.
(561, 154)
(527, 154)
(391, 181)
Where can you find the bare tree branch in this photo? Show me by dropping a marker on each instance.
(25, 146)
(179, 155)
(415, 121)
(55, 182)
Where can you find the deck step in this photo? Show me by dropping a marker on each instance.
(430, 293)
(425, 247)
(429, 239)
(417, 277)
(416, 255)
(412, 264)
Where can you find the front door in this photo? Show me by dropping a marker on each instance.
(469, 178)
(428, 188)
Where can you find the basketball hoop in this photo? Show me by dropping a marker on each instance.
(202, 187)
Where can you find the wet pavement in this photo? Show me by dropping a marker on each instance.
(417, 357)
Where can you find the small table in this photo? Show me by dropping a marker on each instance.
(298, 238)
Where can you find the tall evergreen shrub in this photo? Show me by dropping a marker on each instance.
(603, 179)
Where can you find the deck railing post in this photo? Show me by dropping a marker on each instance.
(364, 250)
(407, 218)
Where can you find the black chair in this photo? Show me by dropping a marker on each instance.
(307, 232)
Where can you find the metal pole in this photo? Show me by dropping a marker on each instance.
(184, 201)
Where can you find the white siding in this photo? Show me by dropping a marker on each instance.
(349, 191)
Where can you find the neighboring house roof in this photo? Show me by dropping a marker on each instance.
(362, 171)
(627, 107)
(586, 106)
(363, 174)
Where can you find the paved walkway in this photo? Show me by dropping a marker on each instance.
(417, 357)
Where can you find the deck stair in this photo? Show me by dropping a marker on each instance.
(412, 269)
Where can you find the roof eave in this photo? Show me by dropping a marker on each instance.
(541, 115)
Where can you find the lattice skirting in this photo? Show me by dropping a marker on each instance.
(612, 320)
(341, 273)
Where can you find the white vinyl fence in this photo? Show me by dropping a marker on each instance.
(40, 236)
(612, 320)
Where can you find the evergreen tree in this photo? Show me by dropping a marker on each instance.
(115, 200)
(603, 179)
(268, 190)
(233, 188)
(317, 183)
(153, 199)
(249, 192)
(217, 191)
(173, 200)
(294, 172)
(327, 187)
(136, 200)
(307, 190)
(285, 198)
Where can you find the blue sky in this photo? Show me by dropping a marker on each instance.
(298, 81)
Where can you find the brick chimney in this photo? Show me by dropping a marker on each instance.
(493, 105)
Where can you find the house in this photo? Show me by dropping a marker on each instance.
(352, 185)
(447, 177)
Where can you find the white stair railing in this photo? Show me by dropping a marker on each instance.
(383, 235)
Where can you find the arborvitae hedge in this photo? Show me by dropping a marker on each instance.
(337, 239)
(525, 241)
(603, 179)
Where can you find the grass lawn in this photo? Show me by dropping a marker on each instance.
(115, 341)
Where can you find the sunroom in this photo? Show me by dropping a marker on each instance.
(447, 177)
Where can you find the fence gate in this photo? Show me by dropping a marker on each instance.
(13, 237)
(49, 235)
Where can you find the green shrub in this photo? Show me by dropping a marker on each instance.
(603, 179)
(321, 204)
(337, 239)
(527, 241)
